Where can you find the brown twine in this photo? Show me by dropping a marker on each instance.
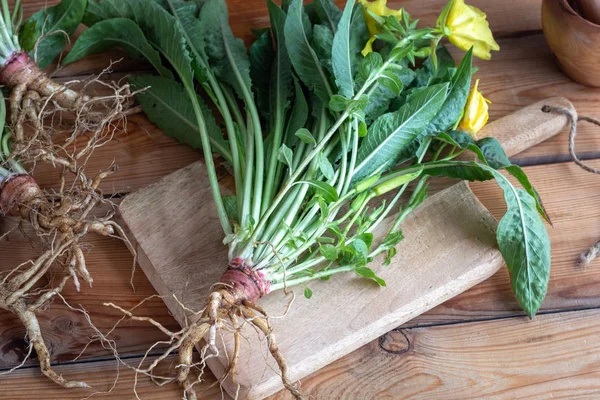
(589, 256)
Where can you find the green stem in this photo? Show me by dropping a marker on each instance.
(318, 275)
(208, 160)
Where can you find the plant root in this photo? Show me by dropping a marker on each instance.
(60, 220)
(228, 309)
(38, 102)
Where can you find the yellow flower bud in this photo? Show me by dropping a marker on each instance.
(468, 28)
(377, 7)
(476, 112)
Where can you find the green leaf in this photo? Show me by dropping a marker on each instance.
(303, 57)
(328, 192)
(298, 116)
(391, 81)
(51, 24)
(464, 170)
(453, 107)
(117, 32)
(328, 14)
(428, 74)
(392, 240)
(391, 253)
(322, 43)
(305, 136)
(325, 167)
(161, 29)
(520, 175)
(227, 54)
(281, 77)
(368, 66)
(230, 203)
(391, 132)
(329, 252)
(285, 155)
(525, 245)
(166, 104)
(369, 274)
(262, 58)
(493, 153)
(307, 293)
(341, 57)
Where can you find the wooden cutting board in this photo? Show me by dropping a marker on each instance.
(449, 247)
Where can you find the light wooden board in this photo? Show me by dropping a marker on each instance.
(450, 247)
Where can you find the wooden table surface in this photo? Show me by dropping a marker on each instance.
(476, 345)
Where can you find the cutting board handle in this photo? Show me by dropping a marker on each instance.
(528, 126)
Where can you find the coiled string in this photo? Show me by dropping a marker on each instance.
(589, 256)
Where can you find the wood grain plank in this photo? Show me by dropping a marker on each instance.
(574, 206)
(25, 383)
(553, 356)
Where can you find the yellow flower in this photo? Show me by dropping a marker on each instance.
(469, 28)
(476, 112)
(377, 7)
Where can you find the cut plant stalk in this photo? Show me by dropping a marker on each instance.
(327, 123)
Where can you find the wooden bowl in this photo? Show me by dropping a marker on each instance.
(574, 41)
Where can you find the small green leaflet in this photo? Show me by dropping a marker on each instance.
(230, 203)
(328, 192)
(328, 251)
(305, 136)
(325, 167)
(369, 274)
(307, 293)
(303, 57)
(116, 32)
(51, 24)
(285, 155)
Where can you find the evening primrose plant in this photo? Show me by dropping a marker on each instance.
(325, 138)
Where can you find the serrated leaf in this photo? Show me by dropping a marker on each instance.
(281, 77)
(493, 153)
(161, 29)
(116, 32)
(226, 54)
(51, 24)
(341, 54)
(464, 170)
(298, 116)
(262, 58)
(391, 132)
(453, 107)
(520, 175)
(328, 14)
(303, 57)
(167, 105)
(525, 245)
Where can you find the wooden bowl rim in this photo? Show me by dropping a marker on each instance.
(568, 8)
